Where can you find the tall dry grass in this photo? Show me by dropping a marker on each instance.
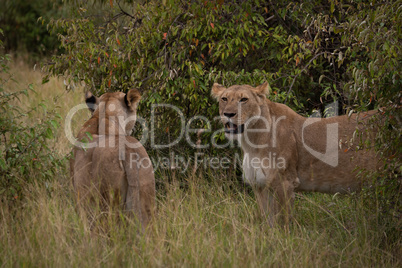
(202, 220)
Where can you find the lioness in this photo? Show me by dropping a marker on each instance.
(109, 159)
(285, 152)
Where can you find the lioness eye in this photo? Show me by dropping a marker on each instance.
(243, 99)
(224, 99)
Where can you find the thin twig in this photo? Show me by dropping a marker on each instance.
(124, 12)
(270, 18)
(297, 75)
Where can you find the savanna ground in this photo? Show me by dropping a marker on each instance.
(207, 219)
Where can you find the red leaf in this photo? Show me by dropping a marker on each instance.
(107, 55)
(109, 82)
(98, 60)
(118, 41)
(212, 25)
(164, 36)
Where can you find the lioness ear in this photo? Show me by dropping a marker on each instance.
(132, 98)
(263, 89)
(91, 101)
(217, 90)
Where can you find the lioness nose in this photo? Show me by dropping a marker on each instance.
(229, 115)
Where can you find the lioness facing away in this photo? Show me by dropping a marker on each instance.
(285, 152)
(110, 165)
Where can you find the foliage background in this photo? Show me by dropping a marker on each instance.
(23, 33)
(311, 53)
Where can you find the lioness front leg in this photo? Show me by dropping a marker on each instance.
(276, 199)
(283, 200)
(265, 203)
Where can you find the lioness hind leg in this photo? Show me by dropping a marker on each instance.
(133, 198)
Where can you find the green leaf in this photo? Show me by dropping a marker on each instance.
(54, 123)
(89, 135)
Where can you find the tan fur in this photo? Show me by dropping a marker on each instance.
(300, 171)
(108, 170)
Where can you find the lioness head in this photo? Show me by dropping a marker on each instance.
(116, 112)
(239, 105)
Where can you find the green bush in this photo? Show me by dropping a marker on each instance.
(174, 51)
(26, 155)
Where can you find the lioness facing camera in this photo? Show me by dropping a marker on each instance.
(111, 165)
(285, 152)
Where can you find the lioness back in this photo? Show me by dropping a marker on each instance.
(314, 141)
(110, 164)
